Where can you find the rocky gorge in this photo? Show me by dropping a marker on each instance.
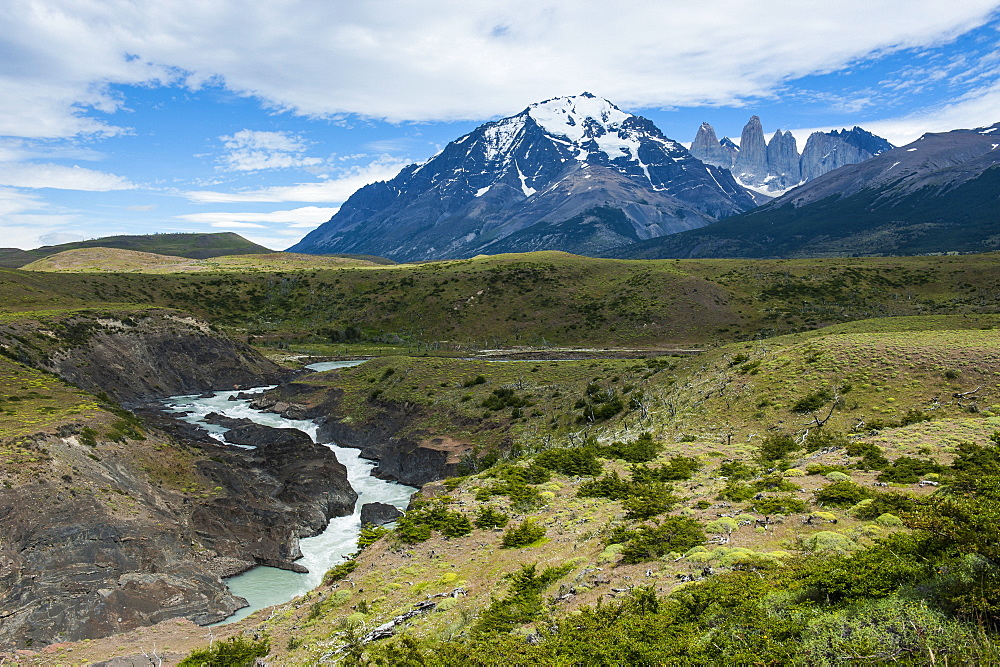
(123, 519)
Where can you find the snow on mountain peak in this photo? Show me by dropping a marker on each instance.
(568, 116)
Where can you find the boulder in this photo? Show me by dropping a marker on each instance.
(377, 514)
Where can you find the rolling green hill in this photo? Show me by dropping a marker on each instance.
(195, 246)
(546, 298)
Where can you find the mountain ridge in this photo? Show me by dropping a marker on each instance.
(555, 160)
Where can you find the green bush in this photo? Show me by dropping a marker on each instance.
(821, 438)
(370, 535)
(640, 450)
(736, 470)
(338, 572)
(674, 533)
(779, 505)
(777, 446)
(490, 517)
(736, 492)
(909, 470)
(523, 534)
(871, 455)
(569, 461)
(416, 525)
(234, 652)
(648, 500)
(610, 486)
(812, 402)
(522, 604)
(841, 494)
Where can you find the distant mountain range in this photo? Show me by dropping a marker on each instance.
(572, 173)
(938, 194)
(772, 167)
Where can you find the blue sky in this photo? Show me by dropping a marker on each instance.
(262, 117)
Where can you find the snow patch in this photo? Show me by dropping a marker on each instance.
(524, 183)
(481, 191)
(910, 150)
(992, 129)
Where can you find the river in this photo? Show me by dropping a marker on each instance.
(266, 586)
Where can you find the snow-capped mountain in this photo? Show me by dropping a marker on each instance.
(570, 173)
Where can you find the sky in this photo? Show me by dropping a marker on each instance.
(262, 116)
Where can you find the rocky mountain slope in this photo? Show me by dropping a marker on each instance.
(525, 182)
(772, 167)
(938, 194)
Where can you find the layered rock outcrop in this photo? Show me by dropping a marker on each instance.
(107, 538)
(134, 356)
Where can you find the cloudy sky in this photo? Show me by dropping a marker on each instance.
(262, 116)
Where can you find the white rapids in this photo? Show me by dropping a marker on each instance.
(266, 586)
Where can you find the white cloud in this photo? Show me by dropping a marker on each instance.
(250, 150)
(446, 59)
(57, 238)
(32, 175)
(297, 217)
(335, 190)
(237, 225)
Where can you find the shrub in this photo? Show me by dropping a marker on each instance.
(234, 652)
(648, 500)
(774, 482)
(828, 541)
(489, 517)
(370, 535)
(338, 572)
(610, 486)
(640, 450)
(821, 438)
(841, 494)
(522, 535)
(892, 630)
(522, 604)
(779, 505)
(736, 492)
(909, 470)
(479, 379)
(416, 525)
(871, 455)
(812, 402)
(777, 446)
(674, 533)
(737, 470)
(570, 461)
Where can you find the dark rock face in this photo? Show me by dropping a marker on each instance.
(938, 194)
(826, 151)
(137, 357)
(546, 165)
(751, 162)
(776, 166)
(377, 514)
(401, 458)
(707, 148)
(783, 161)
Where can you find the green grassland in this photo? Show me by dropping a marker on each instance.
(770, 500)
(539, 299)
(915, 389)
(116, 260)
